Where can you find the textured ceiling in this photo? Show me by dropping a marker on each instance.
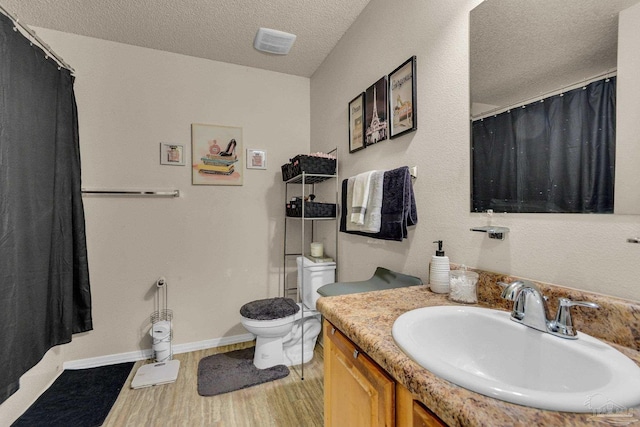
(221, 30)
(521, 49)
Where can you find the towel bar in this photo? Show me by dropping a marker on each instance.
(130, 193)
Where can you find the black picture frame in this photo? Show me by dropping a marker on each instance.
(376, 112)
(402, 99)
(356, 124)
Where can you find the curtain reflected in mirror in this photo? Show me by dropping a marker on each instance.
(523, 52)
(554, 155)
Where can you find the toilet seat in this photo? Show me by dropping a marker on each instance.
(269, 308)
(274, 323)
(281, 321)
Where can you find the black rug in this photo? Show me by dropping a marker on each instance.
(225, 372)
(81, 398)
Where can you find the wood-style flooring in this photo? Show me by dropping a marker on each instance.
(289, 401)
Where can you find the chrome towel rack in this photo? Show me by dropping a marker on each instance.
(130, 193)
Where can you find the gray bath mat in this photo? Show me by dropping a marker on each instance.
(225, 372)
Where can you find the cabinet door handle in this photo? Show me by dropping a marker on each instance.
(355, 354)
(333, 331)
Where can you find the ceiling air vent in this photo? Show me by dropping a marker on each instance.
(273, 41)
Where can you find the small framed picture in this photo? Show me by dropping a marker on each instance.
(171, 154)
(402, 98)
(375, 112)
(256, 159)
(356, 123)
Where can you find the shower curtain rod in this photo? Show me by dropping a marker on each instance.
(61, 62)
(528, 101)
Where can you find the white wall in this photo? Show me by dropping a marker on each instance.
(478, 108)
(218, 246)
(628, 111)
(588, 252)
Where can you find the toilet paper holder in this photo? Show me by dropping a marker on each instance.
(161, 327)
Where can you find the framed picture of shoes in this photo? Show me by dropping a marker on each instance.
(217, 155)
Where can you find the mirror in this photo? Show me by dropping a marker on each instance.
(522, 51)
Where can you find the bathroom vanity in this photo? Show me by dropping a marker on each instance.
(365, 369)
(354, 380)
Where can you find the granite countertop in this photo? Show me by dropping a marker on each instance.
(367, 319)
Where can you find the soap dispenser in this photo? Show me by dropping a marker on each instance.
(439, 271)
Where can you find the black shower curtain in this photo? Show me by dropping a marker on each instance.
(44, 278)
(551, 156)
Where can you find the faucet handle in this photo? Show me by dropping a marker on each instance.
(563, 324)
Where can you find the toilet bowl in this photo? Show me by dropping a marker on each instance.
(270, 336)
(298, 348)
(286, 332)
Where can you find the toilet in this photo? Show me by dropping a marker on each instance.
(285, 330)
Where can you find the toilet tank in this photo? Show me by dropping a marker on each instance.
(316, 274)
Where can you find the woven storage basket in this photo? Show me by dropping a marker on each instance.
(311, 209)
(309, 165)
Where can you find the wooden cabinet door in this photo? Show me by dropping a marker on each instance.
(422, 417)
(357, 392)
(411, 413)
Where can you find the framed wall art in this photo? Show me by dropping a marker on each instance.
(171, 154)
(402, 99)
(375, 117)
(356, 124)
(256, 159)
(217, 155)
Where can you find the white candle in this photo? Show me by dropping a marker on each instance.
(317, 249)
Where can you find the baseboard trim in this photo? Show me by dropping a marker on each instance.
(215, 342)
(134, 356)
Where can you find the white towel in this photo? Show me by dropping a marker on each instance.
(373, 215)
(360, 197)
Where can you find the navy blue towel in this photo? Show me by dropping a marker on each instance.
(398, 206)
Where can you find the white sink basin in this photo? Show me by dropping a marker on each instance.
(484, 351)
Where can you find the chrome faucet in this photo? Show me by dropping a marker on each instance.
(530, 309)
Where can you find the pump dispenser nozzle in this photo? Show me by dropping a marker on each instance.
(439, 252)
